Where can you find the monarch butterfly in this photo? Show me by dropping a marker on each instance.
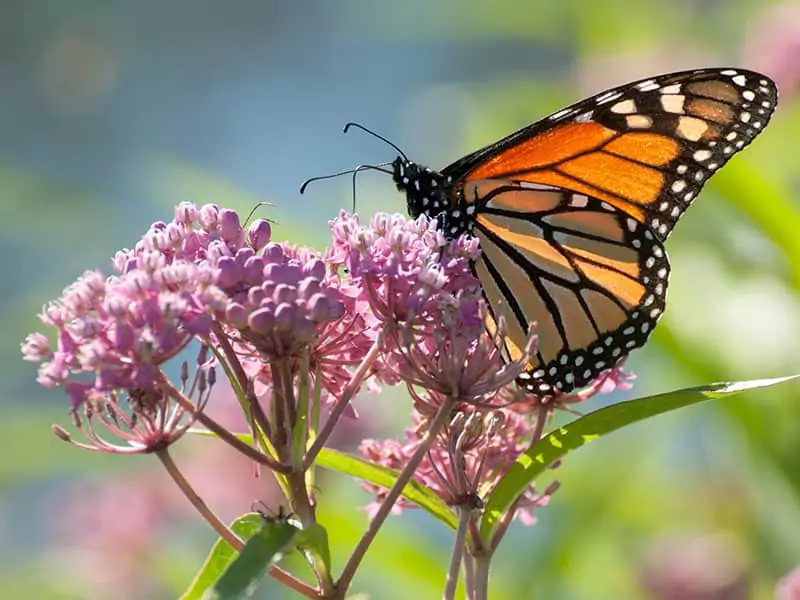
(572, 212)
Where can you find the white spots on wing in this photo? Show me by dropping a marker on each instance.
(584, 117)
(749, 95)
(675, 88)
(639, 121)
(740, 80)
(681, 169)
(632, 224)
(673, 104)
(559, 114)
(729, 72)
(678, 186)
(691, 128)
(701, 155)
(647, 86)
(608, 97)
(626, 107)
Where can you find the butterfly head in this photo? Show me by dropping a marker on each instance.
(425, 189)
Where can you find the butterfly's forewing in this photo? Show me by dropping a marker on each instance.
(646, 147)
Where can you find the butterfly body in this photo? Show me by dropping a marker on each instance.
(572, 212)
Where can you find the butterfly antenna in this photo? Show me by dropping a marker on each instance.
(321, 177)
(358, 169)
(375, 135)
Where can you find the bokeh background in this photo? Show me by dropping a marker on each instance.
(112, 112)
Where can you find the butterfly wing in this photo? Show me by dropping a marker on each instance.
(646, 147)
(591, 277)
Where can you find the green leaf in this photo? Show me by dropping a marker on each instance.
(221, 556)
(580, 432)
(262, 550)
(385, 477)
(313, 540)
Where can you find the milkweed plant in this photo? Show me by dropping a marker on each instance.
(297, 334)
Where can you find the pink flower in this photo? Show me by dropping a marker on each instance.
(120, 330)
(789, 587)
(401, 269)
(467, 460)
(773, 45)
(701, 568)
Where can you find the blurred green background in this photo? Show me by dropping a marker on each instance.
(112, 112)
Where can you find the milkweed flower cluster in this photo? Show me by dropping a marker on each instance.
(392, 300)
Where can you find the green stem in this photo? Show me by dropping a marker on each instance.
(223, 433)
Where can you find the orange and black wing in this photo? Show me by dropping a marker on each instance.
(592, 278)
(646, 147)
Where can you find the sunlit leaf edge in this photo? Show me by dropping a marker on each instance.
(385, 477)
(561, 441)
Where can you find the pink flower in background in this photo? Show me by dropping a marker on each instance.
(695, 568)
(773, 45)
(789, 587)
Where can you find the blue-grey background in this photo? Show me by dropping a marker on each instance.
(112, 112)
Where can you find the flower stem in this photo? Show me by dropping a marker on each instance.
(224, 434)
(441, 418)
(222, 530)
(482, 563)
(469, 576)
(344, 400)
(464, 516)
